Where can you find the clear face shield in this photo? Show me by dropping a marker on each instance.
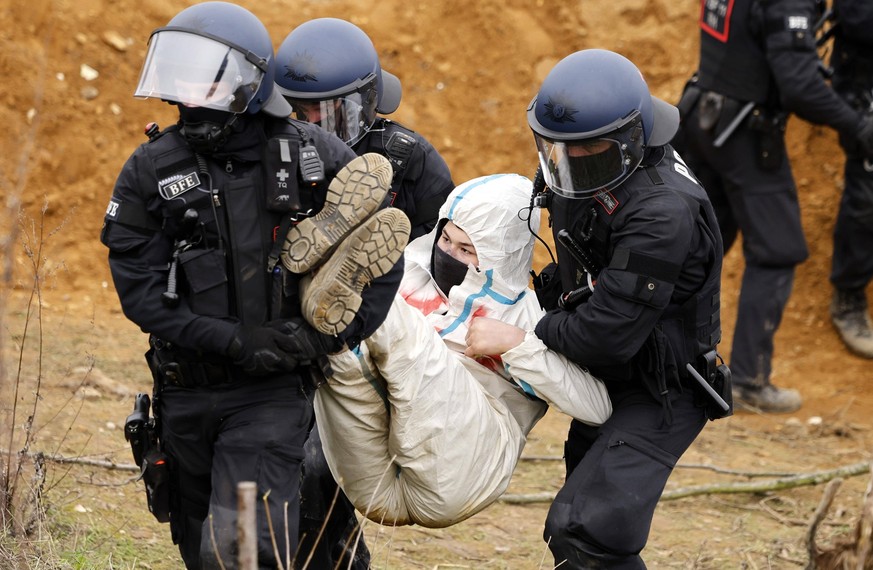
(197, 71)
(581, 168)
(349, 116)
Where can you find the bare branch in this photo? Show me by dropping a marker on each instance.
(796, 480)
(55, 458)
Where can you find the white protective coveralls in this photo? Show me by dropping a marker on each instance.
(414, 431)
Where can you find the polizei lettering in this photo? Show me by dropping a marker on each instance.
(178, 185)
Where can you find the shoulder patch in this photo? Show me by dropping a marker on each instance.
(715, 18)
(112, 209)
(607, 200)
(797, 23)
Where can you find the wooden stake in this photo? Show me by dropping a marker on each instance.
(246, 525)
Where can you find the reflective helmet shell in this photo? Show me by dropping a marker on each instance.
(596, 99)
(237, 28)
(589, 90)
(327, 57)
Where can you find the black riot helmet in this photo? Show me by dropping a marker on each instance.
(215, 61)
(593, 119)
(329, 71)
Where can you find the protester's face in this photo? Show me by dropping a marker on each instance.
(455, 242)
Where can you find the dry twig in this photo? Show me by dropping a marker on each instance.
(796, 480)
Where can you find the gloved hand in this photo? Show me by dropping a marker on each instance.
(308, 343)
(262, 350)
(865, 136)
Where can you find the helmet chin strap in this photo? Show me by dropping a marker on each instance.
(206, 130)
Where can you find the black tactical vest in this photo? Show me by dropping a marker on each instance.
(732, 60)
(691, 326)
(225, 272)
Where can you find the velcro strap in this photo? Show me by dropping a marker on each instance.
(643, 264)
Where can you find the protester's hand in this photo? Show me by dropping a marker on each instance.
(491, 337)
(865, 136)
(306, 343)
(261, 350)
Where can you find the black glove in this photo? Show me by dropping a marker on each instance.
(262, 350)
(864, 135)
(308, 343)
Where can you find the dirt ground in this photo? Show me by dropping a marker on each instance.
(469, 70)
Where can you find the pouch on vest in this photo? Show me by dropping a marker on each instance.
(769, 147)
(206, 274)
(769, 144)
(547, 286)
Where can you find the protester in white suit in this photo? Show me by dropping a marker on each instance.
(414, 431)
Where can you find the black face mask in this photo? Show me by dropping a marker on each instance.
(596, 170)
(206, 130)
(447, 271)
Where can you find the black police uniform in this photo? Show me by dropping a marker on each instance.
(219, 425)
(654, 308)
(422, 181)
(757, 64)
(852, 62)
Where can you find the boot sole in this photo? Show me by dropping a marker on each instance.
(334, 296)
(356, 191)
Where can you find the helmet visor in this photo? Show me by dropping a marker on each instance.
(348, 116)
(582, 168)
(199, 72)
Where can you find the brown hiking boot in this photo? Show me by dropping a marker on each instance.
(768, 399)
(332, 299)
(852, 321)
(356, 191)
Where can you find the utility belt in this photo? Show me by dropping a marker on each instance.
(655, 367)
(722, 115)
(172, 366)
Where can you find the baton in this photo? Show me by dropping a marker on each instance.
(729, 130)
(579, 254)
(712, 393)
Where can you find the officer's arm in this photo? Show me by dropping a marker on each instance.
(139, 257)
(650, 247)
(430, 182)
(794, 62)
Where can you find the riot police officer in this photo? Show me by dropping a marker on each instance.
(852, 262)
(758, 63)
(636, 234)
(195, 230)
(329, 71)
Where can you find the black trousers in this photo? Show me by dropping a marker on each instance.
(853, 233)
(221, 435)
(757, 199)
(616, 473)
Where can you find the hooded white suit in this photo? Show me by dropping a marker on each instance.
(413, 430)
